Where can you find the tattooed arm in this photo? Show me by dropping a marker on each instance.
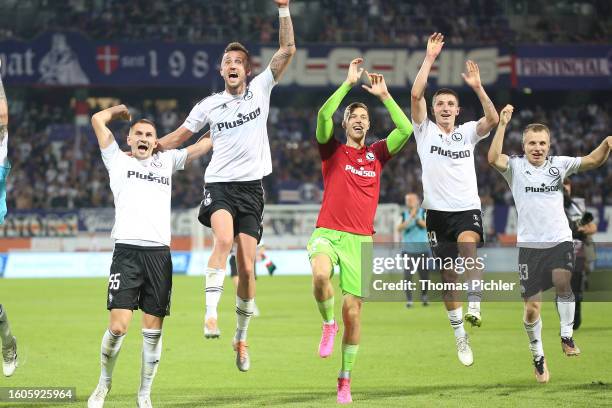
(3, 111)
(282, 57)
(491, 117)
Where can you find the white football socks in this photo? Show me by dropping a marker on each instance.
(214, 289)
(151, 353)
(111, 345)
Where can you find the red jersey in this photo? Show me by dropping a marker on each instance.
(351, 180)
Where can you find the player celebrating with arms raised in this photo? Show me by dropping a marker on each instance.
(450, 192)
(141, 270)
(351, 175)
(233, 197)
(546, 250)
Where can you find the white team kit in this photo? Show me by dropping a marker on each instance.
(142, 191)
(538, 196)
(447, 161)
(241, 151)
(141, 269)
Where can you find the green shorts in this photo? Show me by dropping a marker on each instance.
(344, 250)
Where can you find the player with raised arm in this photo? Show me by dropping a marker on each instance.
(450, 192)
(233, 194)
(141, 270)
(351, 175)
(9, 342)
(546, 251)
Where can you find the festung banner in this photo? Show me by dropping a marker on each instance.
(564, 67)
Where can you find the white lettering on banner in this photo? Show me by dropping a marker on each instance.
(558, 67)
(176, 63)
(18, 64)
(153, 69)
(399, 66)
(200, 64)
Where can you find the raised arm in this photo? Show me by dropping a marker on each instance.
(325, 122)
(495, 156)
(403, 128)
(199, 148)
(597, 157)
(102, 118)
(490, 118)
(3, 111)
(418, 106)
(282, 57)
(175, 139)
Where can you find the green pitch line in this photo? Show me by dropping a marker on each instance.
(407, 356)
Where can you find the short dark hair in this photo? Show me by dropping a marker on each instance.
(443, 91)
(349, 109)
(236, 46)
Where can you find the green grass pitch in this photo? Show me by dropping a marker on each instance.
(407, 356)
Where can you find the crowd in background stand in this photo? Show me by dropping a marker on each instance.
(352, 21)
(53, 168)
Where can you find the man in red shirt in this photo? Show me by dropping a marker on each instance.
(351, 177)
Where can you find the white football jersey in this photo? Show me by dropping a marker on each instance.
(538, 197)
(238, 130)
(142, 192)
(447, 160)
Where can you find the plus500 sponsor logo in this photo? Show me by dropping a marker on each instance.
(363, 173)
(242, 119)
(149, 177)
(450, 153)
(546, 189)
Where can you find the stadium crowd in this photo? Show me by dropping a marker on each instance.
(55, 168)
(352, 21)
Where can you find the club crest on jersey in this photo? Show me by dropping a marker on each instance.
(370, 156)
(554, 171)
(457, 137)
(248, 95)
(156, 163)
